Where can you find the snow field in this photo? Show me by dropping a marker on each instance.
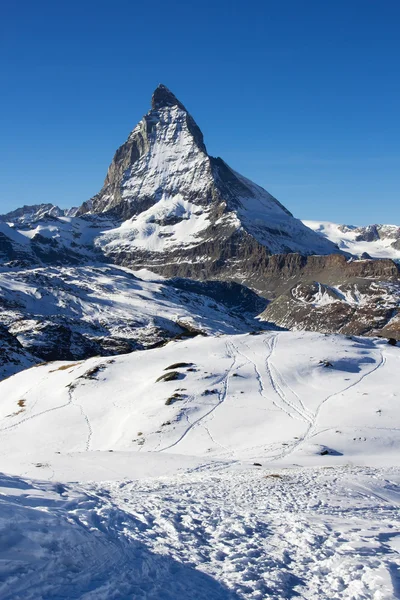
(219, 532)
(282, 397)
(346, 239)
(243, 467)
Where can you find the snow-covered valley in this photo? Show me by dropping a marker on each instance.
(233, 467)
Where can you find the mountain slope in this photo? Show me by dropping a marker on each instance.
(363, 307)
(36, 212)
(282, 397)
(72, 313)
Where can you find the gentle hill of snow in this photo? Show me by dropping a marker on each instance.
(282, 397)
(219, 468)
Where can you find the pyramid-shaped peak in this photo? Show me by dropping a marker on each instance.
(163, 97)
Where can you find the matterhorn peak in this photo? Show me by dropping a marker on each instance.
(163, 97)
(180, 206)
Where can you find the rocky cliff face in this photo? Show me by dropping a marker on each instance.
(333, 294)
(363, 308)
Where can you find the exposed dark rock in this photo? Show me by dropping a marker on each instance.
(171, 376)
(179, 365)
(364, 307)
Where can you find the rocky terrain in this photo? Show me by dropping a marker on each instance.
(365, 308)
(72, 313)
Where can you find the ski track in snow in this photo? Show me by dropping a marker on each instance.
(313, 423)
(70, 402)
(277, 382)
(221, 397)
(274, 382)
(262, 387)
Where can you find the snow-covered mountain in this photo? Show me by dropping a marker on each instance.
(62, 240)
(169, 207)
(185, 212)
(72, 313)
(376, 241)
(165, 438)
(36, 212)
(166, 205)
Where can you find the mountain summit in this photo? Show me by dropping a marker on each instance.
(183, 212)
(163, 97)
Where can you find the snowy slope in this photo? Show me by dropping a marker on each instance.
(379, 241)
(227, 491)
(76, 312)
(47, 239)
(210, 534)
(266, 397)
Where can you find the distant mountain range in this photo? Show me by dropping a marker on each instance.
(371, 241)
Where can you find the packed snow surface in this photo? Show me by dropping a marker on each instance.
(233, 467)
(214, 533)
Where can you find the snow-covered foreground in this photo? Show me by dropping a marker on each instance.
(232, 467)
(215, 532)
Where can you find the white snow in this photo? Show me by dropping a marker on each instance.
(244, 397)
(162, 500)
(145, 231)
(114, 297)
(272, 225)
(346, 238)
(172, 169)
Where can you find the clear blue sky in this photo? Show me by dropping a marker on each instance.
(302, 96)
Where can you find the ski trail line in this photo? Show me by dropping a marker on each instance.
(261, 386)
(312, 427)
(221, 397)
